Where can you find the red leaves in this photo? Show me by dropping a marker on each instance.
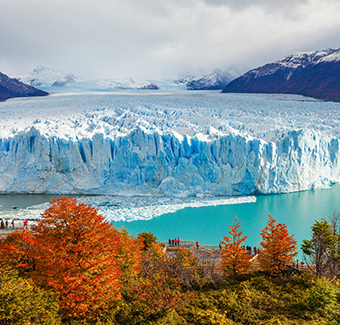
(277, 247)
(14, 250)
(75, 254)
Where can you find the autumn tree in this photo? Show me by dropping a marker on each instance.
(14, 250)
(157, 292)
(129, 255)
(321, 253)
(235, 258)
(187, 268)
(75, 255)
(278, 248)
(148, 238)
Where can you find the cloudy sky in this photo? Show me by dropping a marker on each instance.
(159, 38)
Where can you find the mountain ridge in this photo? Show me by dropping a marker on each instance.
(314, 74)
(11, 88)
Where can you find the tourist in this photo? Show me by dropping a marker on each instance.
(175, 242)
(13, 223)
(178, 241)
(197, 245)
(26, 224)
(220, 245)
(6, 224)
(172, 242)
(2, 226)
(169, 242)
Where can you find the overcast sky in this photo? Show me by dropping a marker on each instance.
(159, 38)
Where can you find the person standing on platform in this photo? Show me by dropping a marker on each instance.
(178, 241)
(197, 245)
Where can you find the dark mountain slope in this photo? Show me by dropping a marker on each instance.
(315, 74)
(10, 88)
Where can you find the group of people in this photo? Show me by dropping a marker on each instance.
(177, 242)
(5, 224)
(250, 250)
(174, 242)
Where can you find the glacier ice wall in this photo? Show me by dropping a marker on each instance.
(151, 163)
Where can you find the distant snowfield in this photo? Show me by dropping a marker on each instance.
(168, 143)
(206, 115)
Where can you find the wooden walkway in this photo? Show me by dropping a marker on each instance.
(211, 258)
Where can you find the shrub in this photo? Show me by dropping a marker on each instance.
(322, 296)
(21, 302)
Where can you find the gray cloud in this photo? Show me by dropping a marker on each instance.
(152, 38)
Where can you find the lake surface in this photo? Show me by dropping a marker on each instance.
(209, 224)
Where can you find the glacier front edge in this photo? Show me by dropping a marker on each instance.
(152, 163)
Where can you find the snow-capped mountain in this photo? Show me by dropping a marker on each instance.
(10, 88)
(125, 84)
(216, 80)
(314, 74)
(44, 76)
(65, 81)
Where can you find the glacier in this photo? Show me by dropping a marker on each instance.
(169, 144)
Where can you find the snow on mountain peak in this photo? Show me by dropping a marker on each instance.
(295, 61)
(218, 79)
(44, 76)
(302, 59)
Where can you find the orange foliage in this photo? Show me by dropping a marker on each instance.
(235, 258)
(75, 254)
(156, 291)
(129, 255)
(277, 247)
(14, 249)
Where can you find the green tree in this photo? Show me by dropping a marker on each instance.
(21, 302)
(322, 251)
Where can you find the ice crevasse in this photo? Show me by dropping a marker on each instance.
(152, 163)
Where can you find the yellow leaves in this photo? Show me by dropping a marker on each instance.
(23, 303)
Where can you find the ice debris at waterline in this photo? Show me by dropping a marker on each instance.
(115, 208)
(144, 162)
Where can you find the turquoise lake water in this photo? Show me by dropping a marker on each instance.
(208, 225)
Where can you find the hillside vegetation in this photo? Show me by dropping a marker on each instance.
(74, 268)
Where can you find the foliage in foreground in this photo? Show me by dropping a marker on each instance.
(99, 275)
(252, 299)
(21, 302)
(75, 254)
